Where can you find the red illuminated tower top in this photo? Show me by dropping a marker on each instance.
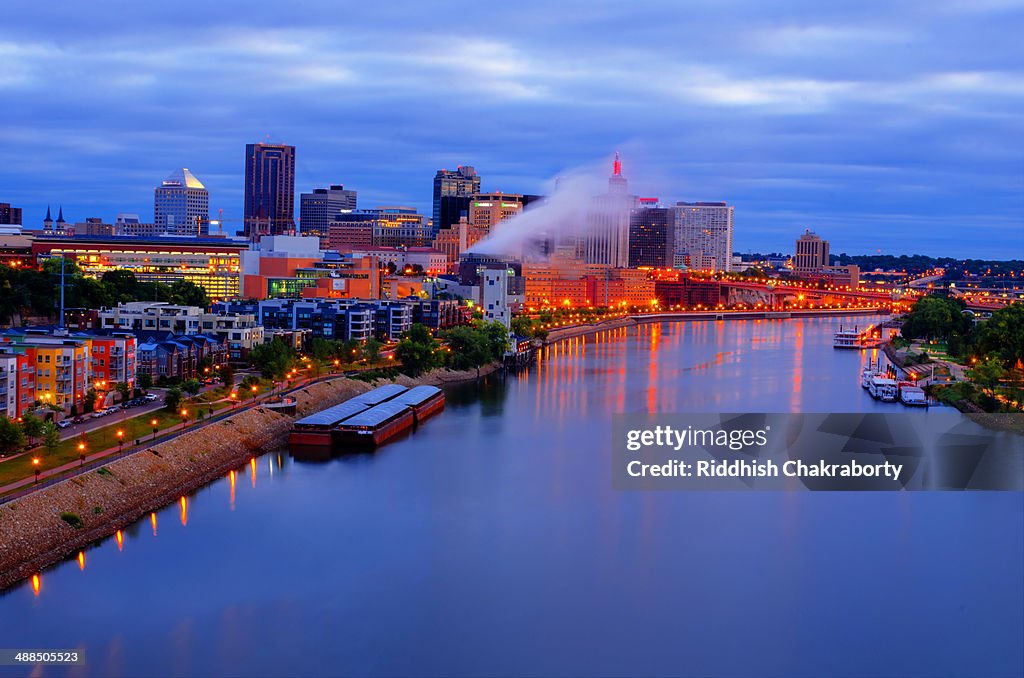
(617, 182)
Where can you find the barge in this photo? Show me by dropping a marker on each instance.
(317, 429)
(375, 426)
(425, 402)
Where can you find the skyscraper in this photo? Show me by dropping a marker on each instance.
(487, 210)
(607, 236)
(811, 256)
(318, 209)
(703, 237)
(181, 205)
(269, 190)
(464, 181)
(10, 215)
(651, 235)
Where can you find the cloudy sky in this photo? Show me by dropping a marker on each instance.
(883, 126)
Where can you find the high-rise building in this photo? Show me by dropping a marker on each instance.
(10, 215)
(181, 205)
(381, 227)
(269, 190)
(652, 235)
(318, 209)
(811, 255)
(464, 181)
(703, 235)
(453, 208)
(486, 210)
(607, 234)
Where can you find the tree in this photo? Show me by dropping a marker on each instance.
(145, 381)
(1003, 335)
(497, 339)
(89, 401)
(987, 374)
(250, 380)
(417, 351)
(187, 293)
(124, 389)
(191, 386)
(12, 437)
(51, 438)
(32, 426)
(172, 399)
(272, 358)
(227, 375)
(370, 351)
(468, 347)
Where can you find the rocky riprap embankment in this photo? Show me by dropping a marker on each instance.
(33, 534)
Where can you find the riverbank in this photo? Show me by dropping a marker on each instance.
(48, 525)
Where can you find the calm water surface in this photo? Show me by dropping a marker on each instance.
(490, 542)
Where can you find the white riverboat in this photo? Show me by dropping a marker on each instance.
(883, 388)
(847, 338)
(913, 396)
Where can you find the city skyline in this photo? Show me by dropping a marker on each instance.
(883, 129)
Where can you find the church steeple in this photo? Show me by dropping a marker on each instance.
(60, 215)
(48, 221)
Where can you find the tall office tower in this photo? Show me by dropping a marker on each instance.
(181, 205)
(318, 209)
(10, 216)
(606, 240)
(464, 181)
(269, 190)
(486, 210)
(652, 235)
(811, 255)
(703, 237)
(453, 208)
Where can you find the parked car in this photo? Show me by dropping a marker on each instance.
(149, 397)
(63, 423)
(78, 420)
(98, 413)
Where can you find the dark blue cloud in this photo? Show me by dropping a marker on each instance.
(882, 127)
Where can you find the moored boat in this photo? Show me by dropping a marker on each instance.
(883, 388)
(425, 401)
(375, 425)
(912, 395)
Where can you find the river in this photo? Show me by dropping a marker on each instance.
(491, 542)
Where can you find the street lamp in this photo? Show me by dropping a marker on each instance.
(153, 423)
(184, 416)
(254, 391)
(233, 396)
(81, 452)
(35, 465)
(120, 440)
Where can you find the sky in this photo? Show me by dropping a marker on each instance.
(892, 127)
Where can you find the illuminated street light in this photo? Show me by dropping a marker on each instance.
(153, 423)
(35, 465)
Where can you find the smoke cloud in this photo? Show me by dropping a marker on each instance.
(564, 213)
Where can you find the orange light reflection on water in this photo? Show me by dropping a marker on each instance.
(120, 540)
(36, 584)
(81, 560)
(184, 511)
(252, 471)
(231, 478)
(152, 521)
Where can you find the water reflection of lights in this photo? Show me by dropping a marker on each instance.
(36, 584)
(252, 470)
(152, 521)
(184, 511)
(81, 560)
(231, 479)
(120, 540)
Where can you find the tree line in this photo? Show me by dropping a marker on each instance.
(37, 291)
